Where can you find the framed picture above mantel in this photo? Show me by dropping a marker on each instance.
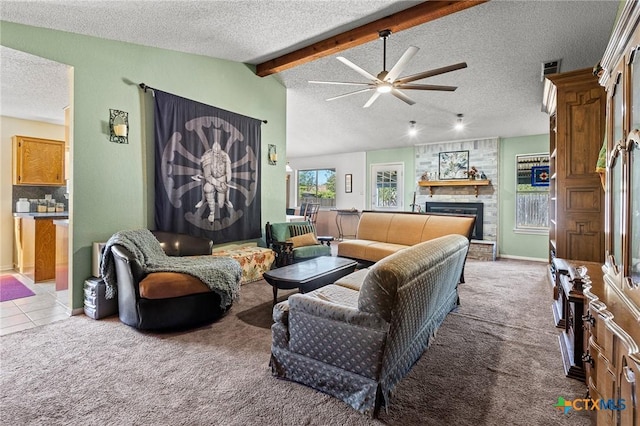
(453, 165)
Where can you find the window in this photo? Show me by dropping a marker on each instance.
(386, 184)
(532, 193)
(317, 186)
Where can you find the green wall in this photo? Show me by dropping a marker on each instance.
(400, 155)
(112, 184)
(509, 242)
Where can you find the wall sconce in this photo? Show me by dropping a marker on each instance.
(118, 126)
(273, 155)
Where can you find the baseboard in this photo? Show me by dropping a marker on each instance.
(533, 259)
(77, 311)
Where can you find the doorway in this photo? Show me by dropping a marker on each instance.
(387, 188)
(37, 100)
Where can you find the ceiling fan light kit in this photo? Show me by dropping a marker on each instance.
(388, 81)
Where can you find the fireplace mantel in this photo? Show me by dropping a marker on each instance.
(462, 182)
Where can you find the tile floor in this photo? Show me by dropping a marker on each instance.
(45, 307)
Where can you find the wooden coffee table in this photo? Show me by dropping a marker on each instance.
(309, 275)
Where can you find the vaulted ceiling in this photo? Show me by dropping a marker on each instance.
(504, 43)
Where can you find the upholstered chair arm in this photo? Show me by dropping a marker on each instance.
(335, 334)
(280, 327)
(324, 310)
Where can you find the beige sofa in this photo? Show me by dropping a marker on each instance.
(380, 234)
(357, 338)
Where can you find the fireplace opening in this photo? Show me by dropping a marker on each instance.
(476, 209)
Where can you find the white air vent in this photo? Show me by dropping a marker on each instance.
(550, 67)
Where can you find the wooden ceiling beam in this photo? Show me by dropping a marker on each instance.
(416, 15)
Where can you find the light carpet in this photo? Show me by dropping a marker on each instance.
(495, 361)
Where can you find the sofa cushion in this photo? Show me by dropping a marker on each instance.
(304, 240)
(354, 280)
(354, 249)
(378, 251)
(439, 226)
(311, 251)
(163, 285)
(406, 229)
(373, 226)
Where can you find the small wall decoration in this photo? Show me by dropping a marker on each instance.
(347, 183)
(540, 176)
(453, 165)
(272, 155)
(118, 126)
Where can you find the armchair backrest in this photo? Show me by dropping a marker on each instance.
(279, 232)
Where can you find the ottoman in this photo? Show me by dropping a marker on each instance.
(253, 260)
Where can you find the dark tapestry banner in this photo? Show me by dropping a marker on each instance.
(207, 172)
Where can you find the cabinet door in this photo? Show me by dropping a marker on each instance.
(38, 161)
(629, 391)
(632, 148)
(615, 169)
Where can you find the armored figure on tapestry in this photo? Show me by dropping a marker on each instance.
(207, 171)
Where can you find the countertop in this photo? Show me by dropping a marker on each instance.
(35, 215)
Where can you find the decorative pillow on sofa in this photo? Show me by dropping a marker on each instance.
(304, 240)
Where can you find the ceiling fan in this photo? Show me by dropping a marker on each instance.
(388, 81)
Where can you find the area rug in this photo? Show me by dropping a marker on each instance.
(495, 361)
(11, 288)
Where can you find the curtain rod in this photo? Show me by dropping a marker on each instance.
(145, 88)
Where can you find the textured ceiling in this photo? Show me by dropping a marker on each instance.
(503, 42)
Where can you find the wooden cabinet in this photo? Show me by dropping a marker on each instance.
(38, 161)
(577, 131)
(612, 325)
(35, 240)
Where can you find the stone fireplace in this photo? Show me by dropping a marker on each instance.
(484, 155)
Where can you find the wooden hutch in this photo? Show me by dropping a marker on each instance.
(607, 300)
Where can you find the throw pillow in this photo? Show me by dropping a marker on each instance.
(304, 240)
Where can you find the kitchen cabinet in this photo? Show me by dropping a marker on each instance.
(38, 161)
(35, 245)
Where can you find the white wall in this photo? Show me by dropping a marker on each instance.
(9, 127)
(352, 163)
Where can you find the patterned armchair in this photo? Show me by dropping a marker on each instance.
(295, 242)
(355, 339)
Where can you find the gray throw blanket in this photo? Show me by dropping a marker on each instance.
(220, 274)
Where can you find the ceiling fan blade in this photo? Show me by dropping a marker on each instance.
(401, 64)
(340, 82)
(358, 69)
(351, 93)
(371, 100)
(431, 73)
(398, 94)
(426, 87)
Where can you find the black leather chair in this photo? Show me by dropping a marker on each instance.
(181, 312)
